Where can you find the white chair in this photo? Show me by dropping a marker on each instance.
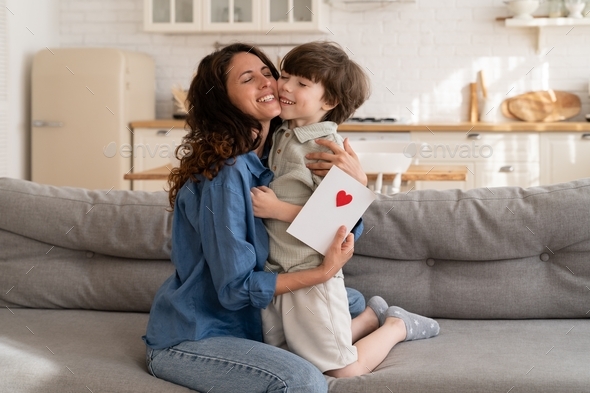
(383, 157)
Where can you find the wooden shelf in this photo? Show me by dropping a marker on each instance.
(540, 23)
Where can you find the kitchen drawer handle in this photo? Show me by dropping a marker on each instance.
(585, 136)
(162, 133)
(474, 136)
(507, 168)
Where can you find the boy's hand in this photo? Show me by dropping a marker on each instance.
(345, 159)
(266, 205)
(264, 202)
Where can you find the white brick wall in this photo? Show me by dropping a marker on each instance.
(3, 91)
(421, 56)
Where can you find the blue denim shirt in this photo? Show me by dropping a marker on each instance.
(219, 250)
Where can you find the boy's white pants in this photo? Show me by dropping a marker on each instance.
(313, 323)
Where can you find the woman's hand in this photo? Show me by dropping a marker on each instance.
(345, 159)
(339, 253)
(264, 202)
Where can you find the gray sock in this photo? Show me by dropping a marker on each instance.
(417, 326)
(379, 306)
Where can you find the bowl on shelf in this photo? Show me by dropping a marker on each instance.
(575, 8)
(588, 117)
(522, 8)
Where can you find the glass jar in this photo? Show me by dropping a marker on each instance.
(556, 9)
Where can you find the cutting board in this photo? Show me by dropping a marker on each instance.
(542, 106)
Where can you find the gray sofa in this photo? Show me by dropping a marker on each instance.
(506, 271)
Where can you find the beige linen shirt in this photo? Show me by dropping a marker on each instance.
(294, 183)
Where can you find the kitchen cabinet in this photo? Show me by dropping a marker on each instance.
(173, 16)
(293, 16)
(493, 159)
(231, 16)
(564, 156)
(500, 154)
(506, 174)
(244, 15)
(152, 148)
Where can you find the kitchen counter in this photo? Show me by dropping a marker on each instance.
(468, 127)
(414, 172)
(465, 127)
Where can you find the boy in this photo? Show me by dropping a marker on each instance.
(319, 88)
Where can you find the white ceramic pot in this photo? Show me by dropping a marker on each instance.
(575, 8)
(522, 8)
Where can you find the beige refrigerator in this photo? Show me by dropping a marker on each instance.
(83, 100)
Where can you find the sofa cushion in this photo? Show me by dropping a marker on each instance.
(482, 224)
(132, 224)
(76, 350)
(524, 356)
(497, 253)
(40, 275)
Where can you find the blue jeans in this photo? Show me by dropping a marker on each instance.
(356, 302)
(231, 364)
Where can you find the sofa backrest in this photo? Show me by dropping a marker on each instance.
(64, 247)
(484, 253)
(132, 224)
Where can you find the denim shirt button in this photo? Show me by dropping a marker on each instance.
(430, 262)
(89, 254)
(544, 257)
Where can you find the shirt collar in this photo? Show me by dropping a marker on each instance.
(311, 131)
(253, 163)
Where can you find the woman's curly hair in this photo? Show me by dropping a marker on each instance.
(218, 130)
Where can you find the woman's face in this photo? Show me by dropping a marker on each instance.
(252, 88)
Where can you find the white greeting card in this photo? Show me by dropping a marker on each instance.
(339, 200)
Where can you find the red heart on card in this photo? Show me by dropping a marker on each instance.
(342, 198)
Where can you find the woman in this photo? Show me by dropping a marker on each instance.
(205, 328)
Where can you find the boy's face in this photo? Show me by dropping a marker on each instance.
(302, 101)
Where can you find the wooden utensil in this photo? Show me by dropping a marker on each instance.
(533, 106)
(546, 106)
(506, 111)
(567, 105)
(482, 81)
(473, 103)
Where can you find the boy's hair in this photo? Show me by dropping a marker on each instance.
(344, 81)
